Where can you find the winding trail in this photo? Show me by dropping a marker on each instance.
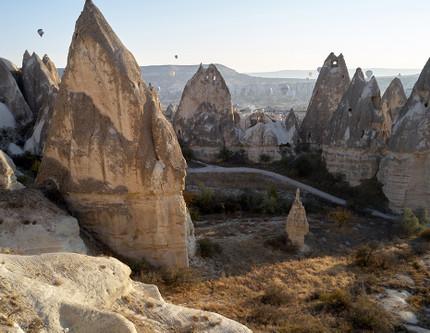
(286, 180)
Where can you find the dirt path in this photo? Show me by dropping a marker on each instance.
(287, 180)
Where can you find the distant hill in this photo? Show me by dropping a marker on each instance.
(292, 91)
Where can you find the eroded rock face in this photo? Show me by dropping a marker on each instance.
(357, 132)
(111, 152)
(393, 99)
(204, 120)
(265, 136)
(33, 225)
(8, 179)
(76, 293)
(297, 223)
(405, 170)
(15, 114)
(40, 81)
(331, 85)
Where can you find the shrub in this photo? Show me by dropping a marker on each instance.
(410, 224)
(368, 194)
(267, 314)
(423, 216)
(369, 256)
(225, 155)
(208, 248)
(264, 158)
(340, 216)
(425, 234)
(275, 294)
(366, 314)
(281, 243)
(334, 301)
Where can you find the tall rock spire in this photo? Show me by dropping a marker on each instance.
(111, 152)
(394, 99)
(332, 83)
(405, 170)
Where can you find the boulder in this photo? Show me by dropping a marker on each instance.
(111, 152)
(204, 120)
(394, 99)
(69, 292)
(405, 169)
(358, 132)
(8, 179)
(31, 224)
(40, 85)
(332, 83)
(297, 223)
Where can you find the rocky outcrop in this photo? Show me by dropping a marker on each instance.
(75, 293)
(357, 132)
(111, 152)
(331, 85)
(265, 137)
(405, 170)
(15, 114)
(297, 223)
(393, 99)
(170, 112)
(8, 179)
(204, 121)
(30, 224)
(40, 82)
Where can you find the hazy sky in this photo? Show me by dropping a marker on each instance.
(248, 35)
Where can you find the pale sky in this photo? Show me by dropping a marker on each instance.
(247, 35)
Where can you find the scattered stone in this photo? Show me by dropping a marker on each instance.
(297, 224)
(112, 154)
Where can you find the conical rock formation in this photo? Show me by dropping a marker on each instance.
(331, 85)
(8, 179)
(357, 132)
(40, 84)
(297, 223)
(204, 120)
(394, 99)
(405, 170)
(111, 152)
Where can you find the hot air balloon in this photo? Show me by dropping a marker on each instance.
(319, 69)
(40, 32)
(369, 74)
(176, 56)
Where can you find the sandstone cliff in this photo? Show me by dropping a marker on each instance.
(40, 82)
(393, 99)
(67, 292)
(331, 85)
(111, 152)
(405, 170)
(204, 120)
(357, 132)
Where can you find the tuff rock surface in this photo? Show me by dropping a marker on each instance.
(8, 179)
(394, 99)
(15, 114)
(405, 169)
(76, 293)
(297, 223)
(204, 120)
(265, 135)
(111, 152)
(40, 83)
(358, 131)
(31, 224)
(331, 85)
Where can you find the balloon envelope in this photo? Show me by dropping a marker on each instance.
(40, 32)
